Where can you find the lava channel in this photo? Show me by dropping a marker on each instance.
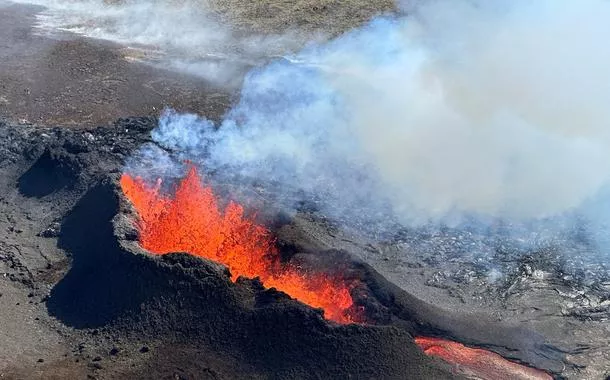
(478, 363)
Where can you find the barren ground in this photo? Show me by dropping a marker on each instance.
(78, 82)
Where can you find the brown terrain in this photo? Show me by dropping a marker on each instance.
(79, 82)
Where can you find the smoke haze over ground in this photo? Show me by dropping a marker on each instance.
(217, 40)
(180, 35)
(493, 109)
(460, 113)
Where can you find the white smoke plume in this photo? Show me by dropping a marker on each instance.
(487, 108)
(182, 35)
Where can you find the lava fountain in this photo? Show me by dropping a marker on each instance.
(192, 221)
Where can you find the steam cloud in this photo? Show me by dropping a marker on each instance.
(461, 108)
(454, 111)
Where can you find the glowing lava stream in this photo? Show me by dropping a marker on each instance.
(191, 221)
(479, 363)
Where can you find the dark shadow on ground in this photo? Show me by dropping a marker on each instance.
(47, 175)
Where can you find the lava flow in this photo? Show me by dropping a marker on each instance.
(479, 363)
(192, 221)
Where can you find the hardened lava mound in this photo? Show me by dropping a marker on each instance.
(178, 299)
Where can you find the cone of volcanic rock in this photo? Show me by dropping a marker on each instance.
(192, 311)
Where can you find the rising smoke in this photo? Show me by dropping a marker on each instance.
(461, 108)
(457, 112)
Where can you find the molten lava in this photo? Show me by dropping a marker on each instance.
(479, 363)
(192, 221)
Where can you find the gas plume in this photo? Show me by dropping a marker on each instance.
(460, 113)
(460, 108)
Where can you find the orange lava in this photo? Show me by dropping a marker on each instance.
(482, 364)
(192, 221)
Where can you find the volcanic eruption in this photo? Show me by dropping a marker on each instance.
(422, 194)
(192, 221)
(383, 137)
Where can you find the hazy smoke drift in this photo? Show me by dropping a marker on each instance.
(488, 108)
(181, 35)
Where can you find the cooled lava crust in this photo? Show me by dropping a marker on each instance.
(197, 318)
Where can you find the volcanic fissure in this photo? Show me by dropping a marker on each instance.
(191, 220)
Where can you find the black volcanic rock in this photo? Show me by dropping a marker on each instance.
(183, 300)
